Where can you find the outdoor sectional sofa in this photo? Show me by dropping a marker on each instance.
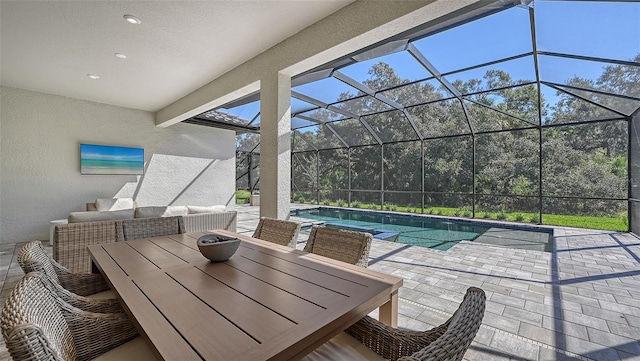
(97, 227)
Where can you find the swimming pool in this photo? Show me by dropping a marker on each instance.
(430, 232)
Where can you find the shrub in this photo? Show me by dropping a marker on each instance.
(390, 207)
(340, 202)
(501, 216)
(355, 204)
(519, 217)
(534, 218)
(467, 214)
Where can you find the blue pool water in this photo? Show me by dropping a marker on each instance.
(434, 233)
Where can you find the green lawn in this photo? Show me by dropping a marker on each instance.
(608, 223)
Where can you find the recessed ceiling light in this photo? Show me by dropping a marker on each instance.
(132, 19)
(120, 55)
(93, 76)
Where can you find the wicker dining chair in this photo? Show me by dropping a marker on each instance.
(447, 342)
(278, 231)
(148, 227)
(33, 258)
(37, 325)
(342, 245)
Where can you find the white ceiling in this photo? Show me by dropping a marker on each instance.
(51, 46)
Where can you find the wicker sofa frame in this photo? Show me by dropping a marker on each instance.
(71, 240)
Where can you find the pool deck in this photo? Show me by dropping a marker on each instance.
(579, 302)
(535, 241)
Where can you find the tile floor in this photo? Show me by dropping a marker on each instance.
(579, 302)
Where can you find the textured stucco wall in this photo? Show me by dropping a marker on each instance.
(40, 176)
(275, 146)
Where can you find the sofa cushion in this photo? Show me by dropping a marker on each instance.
(94, 216)
(160, 211)
(114, 204)
(207, 209)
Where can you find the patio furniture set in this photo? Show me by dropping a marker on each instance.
(120, 219)
(268, 301)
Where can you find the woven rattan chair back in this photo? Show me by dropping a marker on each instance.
(347, 246)
(278, 231)
(71, 241)
(149, 227)
(33, 326)
(448, 341)
(33, 258)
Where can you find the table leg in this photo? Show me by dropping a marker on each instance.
(388, 313)
(94, 268)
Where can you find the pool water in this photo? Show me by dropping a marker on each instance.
(435, 233)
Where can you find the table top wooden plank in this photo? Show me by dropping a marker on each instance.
(168, 343)
(129, 259)
(178, 249)
(333, 281)
(255, 319)
(291, 283)
(212, 335)
(280, 300)
(187, 239)
(155, 254)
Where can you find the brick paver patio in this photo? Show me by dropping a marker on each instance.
(580, 302)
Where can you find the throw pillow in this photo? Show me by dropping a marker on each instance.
(175, 211)
(209, 209)
(160, 211)
(94, 216)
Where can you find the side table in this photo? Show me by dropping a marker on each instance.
(52, 227)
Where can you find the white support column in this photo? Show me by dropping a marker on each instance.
(275, 145)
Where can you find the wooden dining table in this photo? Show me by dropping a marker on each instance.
(267, 302)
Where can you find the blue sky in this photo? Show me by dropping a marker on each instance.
(607, 29)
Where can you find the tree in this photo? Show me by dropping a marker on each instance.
(502, 124)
